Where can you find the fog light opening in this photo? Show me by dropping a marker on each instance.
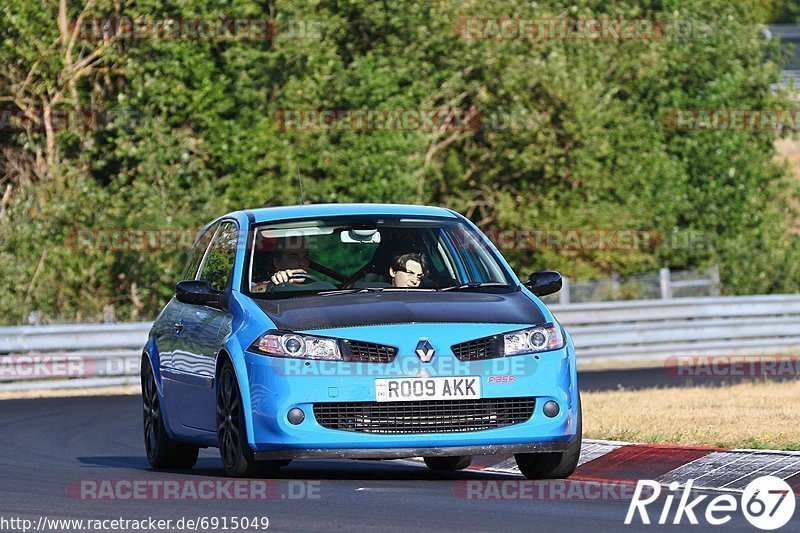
(296, 415)
(550, 408)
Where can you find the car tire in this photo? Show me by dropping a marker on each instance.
(236, 454)
(448, 464)
(162, 451)
(553, 465)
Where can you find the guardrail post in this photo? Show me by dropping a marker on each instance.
(713, 273)
(34, 318)
(109, 314)
(563, 296)
(615, 285)
(664, 280)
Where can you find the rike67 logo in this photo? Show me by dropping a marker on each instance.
(767, 502)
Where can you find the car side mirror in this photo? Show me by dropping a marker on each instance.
(198, 292)
(544, 282)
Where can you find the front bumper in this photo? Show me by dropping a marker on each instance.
(277, 385)
(400, 453)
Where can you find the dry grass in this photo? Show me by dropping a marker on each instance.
(748, 415)
(619, 364)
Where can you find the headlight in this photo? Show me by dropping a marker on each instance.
(299, 346)
(533, 340)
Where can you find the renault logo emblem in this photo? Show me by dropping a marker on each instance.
(425, 350)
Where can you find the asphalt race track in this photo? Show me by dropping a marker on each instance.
(51, 446)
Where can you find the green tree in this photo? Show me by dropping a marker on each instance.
(576, 135)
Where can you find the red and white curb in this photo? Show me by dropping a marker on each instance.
(710, 468)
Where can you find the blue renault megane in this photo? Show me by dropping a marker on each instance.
(358, 331)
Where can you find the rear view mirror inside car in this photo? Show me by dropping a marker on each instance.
(363, 236)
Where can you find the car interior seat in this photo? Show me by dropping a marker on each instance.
(376, 273)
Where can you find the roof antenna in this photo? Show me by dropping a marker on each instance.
(300, 181)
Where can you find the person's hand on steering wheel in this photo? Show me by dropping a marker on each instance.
(287, 276)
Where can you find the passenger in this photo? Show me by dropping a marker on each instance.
(408, 270)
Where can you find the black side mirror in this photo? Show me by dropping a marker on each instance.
(544, 282)
(198, 292)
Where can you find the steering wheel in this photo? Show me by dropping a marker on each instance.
(307, 278)
(266, 283)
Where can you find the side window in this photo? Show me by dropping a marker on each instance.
(197, 252)
(218, 263)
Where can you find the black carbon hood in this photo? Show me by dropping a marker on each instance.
(372, 309)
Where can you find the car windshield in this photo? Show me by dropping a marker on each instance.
(352, 254)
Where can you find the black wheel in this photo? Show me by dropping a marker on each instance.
(162, 451)
(237, 457)
(553, 465)
(448, 464)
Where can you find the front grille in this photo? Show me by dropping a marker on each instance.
(431, 416)
(367, 352)
(485, 348)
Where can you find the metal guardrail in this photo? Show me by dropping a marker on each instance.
(625, 330)
(73, 337)
(658, 329)
(666, 284)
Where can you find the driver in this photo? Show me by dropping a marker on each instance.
(408, 270)
(289, 262)
(289, 257)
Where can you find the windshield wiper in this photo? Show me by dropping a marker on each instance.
(475, 285)
(349, 291)
(374, 289)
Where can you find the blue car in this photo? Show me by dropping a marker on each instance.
(360, 331)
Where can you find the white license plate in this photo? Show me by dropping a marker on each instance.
(413, 389)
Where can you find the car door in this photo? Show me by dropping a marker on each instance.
(164, 332)
(168, 326)
(201, 335)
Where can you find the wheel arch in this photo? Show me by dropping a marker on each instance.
(240, 372)
(154, 362)
(150, 354)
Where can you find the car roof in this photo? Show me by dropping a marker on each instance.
(266, 214)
